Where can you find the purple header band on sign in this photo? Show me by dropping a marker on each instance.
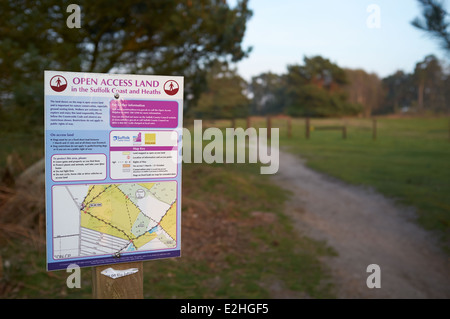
(142, 148)
(144, 114)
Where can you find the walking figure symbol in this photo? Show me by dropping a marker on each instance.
(58, 83)
(171, 87)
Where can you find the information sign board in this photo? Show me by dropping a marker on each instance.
(113, 167)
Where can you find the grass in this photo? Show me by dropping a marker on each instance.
(228, 250)
(257, 253)
(409, 161)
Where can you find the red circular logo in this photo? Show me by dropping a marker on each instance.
(58, 83)
(171, 87)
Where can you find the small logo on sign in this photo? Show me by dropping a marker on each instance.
(58, 83)
(171, 87)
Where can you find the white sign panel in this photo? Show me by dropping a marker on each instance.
(113, 167)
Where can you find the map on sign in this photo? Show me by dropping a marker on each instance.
(114, 218)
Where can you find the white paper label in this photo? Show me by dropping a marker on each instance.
(112, 273)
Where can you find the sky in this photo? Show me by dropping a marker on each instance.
(349, 33)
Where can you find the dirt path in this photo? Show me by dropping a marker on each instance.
(364, 228)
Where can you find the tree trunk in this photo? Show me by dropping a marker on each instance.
(420, 95)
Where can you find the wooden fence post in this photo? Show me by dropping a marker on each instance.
(127, 287)
(307, 128)
(248, 122)
(289, 127)
(374, 129)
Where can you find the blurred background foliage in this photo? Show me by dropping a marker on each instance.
(170, 37)
(199, 40)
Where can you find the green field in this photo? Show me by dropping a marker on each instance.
(237, 241)
(409, 161)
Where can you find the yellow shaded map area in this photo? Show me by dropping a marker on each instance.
(169, 221)
(142, 240)
(107, 210)
(124, 211)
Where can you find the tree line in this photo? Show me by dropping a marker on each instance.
(170, 37)
(199, 40)
(320, 88)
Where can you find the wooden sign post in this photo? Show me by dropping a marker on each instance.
(127, 287)
(141, 124)
(307, 129)
(289, 127)
(269, 127)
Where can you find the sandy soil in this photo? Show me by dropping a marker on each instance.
(364, 228)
